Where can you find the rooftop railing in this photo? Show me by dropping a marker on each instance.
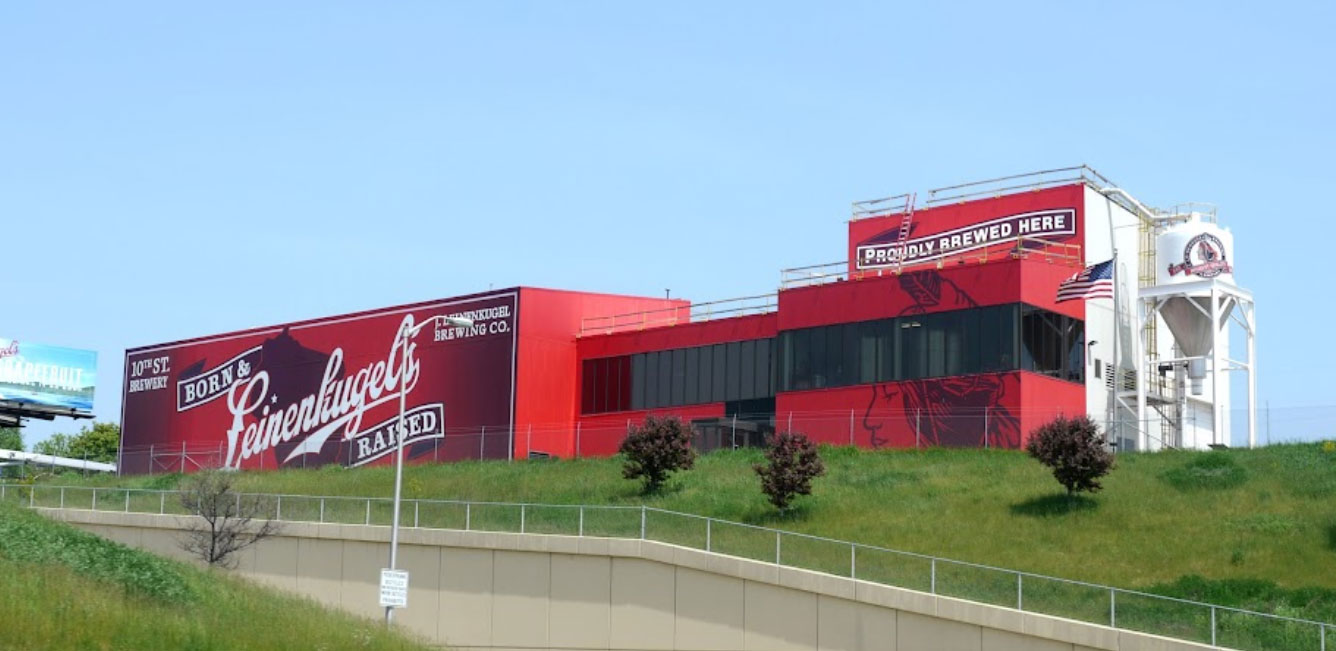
(994, 187)
(681, 314)
(1024, 591)
(1025, 247)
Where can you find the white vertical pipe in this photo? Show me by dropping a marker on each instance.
(1217, 425)
(1251, 320)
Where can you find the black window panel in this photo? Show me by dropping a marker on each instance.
(911, 348)
(734, 371)
(691, 390)
(817, 358)
(1074, 349)
(610, 386)
(652, 380)
(706, 374)
(600, 385)
(746, 369)
(587, 386)
(833, 368)
(1041, 341)
(666, 378)
(886, 333)
(623, 383)
(679, 376)
(638, 381)
(762, 387)
(867, 352)
(804, 370)
(719, 377)
(997, 347)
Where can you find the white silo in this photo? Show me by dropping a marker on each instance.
(1196, 296)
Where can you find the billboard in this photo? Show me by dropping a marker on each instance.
(328, 390)
(50, 376)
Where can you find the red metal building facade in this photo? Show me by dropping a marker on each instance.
(942, 330)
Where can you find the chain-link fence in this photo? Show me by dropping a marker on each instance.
(871, 427)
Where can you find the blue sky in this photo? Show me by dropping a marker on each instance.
(176, 169)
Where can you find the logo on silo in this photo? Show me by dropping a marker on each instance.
(1203, 256)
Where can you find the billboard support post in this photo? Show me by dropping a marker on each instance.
(406, 332)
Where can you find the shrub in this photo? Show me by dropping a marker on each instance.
(1075, 450)
(655, 450)
(793, 464)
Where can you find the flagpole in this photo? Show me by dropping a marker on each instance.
(1117, 361)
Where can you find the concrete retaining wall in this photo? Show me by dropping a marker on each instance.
(476, 590)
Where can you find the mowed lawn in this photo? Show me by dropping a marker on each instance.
(1258, 526)
(61, 588)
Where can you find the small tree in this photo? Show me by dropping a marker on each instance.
(97, 443)
(1075, 450)
(793, 464)
(11, 438)
(657, 449)
(228, 522)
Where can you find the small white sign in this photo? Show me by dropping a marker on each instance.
(394, 588)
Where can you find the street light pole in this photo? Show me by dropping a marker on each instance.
(406, 334)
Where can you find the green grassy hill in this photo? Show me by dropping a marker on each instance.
(1250, 528)
(61, 588)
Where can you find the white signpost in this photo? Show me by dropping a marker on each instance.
(394, 588)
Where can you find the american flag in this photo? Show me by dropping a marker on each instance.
(1095, 281)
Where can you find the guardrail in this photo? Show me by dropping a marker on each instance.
(1025, 591)
(668, 316)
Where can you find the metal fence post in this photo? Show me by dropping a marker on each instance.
(708, 522)
(62, 497)
(94, 499)
(777, 537)
(127, 501)
(577, 439)
(1113, 609)
(853, 561)
(32, 496)
(851, 427)
(581, 531)
(521, 518)
(1323, 628)
(368, 511)
(183, 457)
(322, 510)
(932, 578)
(985, 428)
(416, 504)
(642, 521)
(917, 413)
(468, 515)
(482, 438)
(278, 507)
(1212, 625)
(1020, 592)
(162, 503)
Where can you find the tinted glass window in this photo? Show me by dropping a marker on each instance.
(638, 381)
(746, 369)
(666, 378)
(652, 381)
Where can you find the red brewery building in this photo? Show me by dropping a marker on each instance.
(940, 327)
